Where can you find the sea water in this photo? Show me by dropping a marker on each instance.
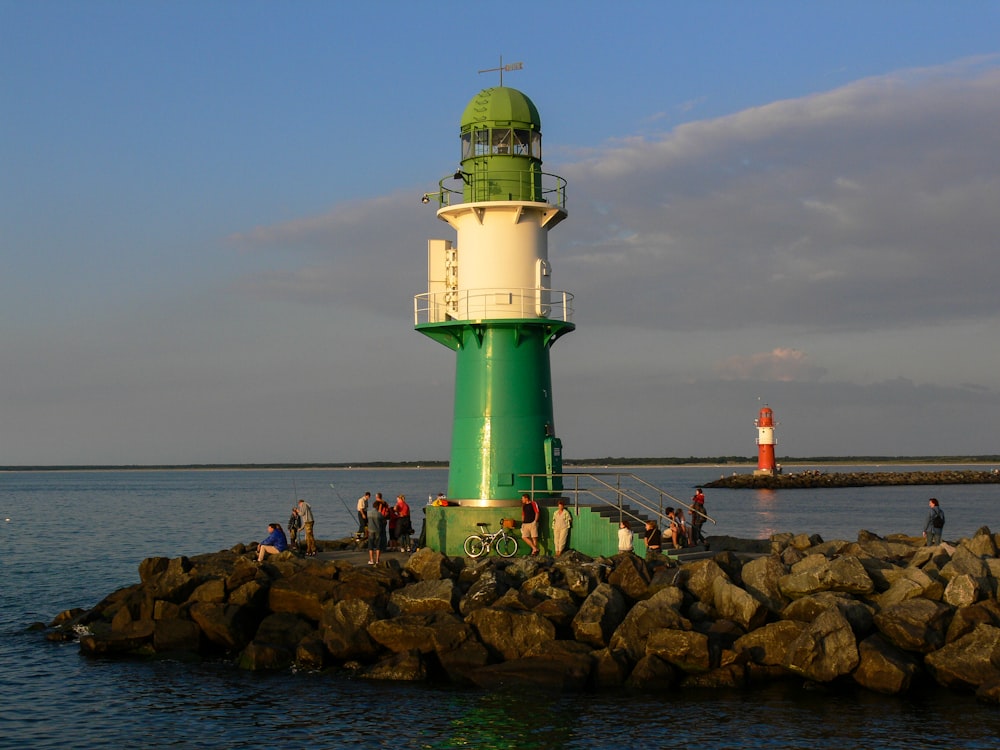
(74, 537)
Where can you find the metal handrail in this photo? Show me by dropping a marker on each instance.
(553, 188)
(628, 494)
(498, 303)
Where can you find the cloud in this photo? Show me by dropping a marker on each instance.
(869, 206)
(778, 365)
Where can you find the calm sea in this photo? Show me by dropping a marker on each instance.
(72, 538)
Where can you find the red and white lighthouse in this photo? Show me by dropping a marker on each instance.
(765, 442)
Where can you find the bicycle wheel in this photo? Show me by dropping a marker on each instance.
(474, 546)
(506, 546)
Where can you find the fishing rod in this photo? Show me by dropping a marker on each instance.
(343, 502)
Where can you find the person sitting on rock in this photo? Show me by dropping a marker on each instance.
(273, 543)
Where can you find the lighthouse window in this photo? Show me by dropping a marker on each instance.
(522, 142)
(481, 141)
(536, 144)
(466, 145)
(501, 141)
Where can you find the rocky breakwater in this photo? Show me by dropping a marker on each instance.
(824, 480)
(884, 613)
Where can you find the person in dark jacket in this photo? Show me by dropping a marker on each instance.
(294, 524)
(273, 543)
(934, 524)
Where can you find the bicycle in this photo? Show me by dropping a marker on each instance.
(477, 545)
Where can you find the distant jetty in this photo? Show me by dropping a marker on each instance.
(806, 480)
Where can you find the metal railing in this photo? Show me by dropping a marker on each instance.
(492, 304)
(511, 185)
(626, 491)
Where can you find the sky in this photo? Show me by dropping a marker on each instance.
(211, 231)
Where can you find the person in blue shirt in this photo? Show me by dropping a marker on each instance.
(273, 543)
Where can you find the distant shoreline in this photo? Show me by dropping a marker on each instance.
(732, 462)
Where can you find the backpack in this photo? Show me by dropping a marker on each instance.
(938, 521)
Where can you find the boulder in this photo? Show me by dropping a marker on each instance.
(652, 673)
(599, 615)
(825, 650)
(424, 596)
(176, 635)
(769, 645)
(969, 662)
(686, 650)
(486, 589)
(301, 594)
(917, 625)
(760, 579)
(343, 626)
(407, 666)
(733, 603)
(967, 618)
(427, 632)
(962, 591)
(883, 668)
(630, 576)
(700, 577)
(228, 626)
(510, 634)
(808, 608)
(646, 616)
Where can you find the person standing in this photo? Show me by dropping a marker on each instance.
(306, 514)
(562, 521)
(934, 523)
(624, 537)
(374, 535)
(698, 516)
(363, 513)
(529, 522)
(273, 543)
(654, 540)
(294, 524)
(404, 528)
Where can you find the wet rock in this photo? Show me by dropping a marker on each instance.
(825, 650)
(969, 662)
(883, 668)
(600, 614)
(510, 634)
(917, 625)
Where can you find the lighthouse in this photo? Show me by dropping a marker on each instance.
(765, 442)
(490, 300)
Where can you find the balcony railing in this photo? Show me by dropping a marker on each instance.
(489, 304)
(511, 185)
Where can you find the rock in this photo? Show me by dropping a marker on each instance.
(265, 656)
(408, 666)
(700, 579)
(967, 618)
(611, 669)
(549, 672)
(311, 653)
(652, 673)
(510, 634)
(969, 662)
(301, 594)
(808, 608)
(644, 618)
(769, 645)
(488, 587)
(343, 626)
(282, 629)
(964, 561)
(825, 650)
(686, 650)
(424, 596)
(434, 631)
(733, 603)
(962, 591)
(981, 544)
(600, 614)
(815, 573)
(228, 626)
(917, 625)
(176, 635)
(631, 577)
(760, 579)
(883, 668)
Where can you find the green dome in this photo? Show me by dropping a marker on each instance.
(501, 105)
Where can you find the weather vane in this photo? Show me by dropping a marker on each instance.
(508, 67)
